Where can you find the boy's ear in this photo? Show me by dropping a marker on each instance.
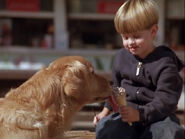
(154, 30)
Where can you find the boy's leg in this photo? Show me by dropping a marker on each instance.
(169, 128)
(112, 127)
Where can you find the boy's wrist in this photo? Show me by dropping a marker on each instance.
(106, 111)
(141, 114)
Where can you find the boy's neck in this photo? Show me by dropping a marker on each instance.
(147, 52)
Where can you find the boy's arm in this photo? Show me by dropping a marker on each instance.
(167, 94)
(108, 105)
(99, 116)
(159, 103)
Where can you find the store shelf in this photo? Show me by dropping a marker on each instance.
(15, 14)
(9, 74)
(100, 59)
(35, 51)
(175, 9)
(16, 74)
(181, 55)
(176, 17)
(91, 16)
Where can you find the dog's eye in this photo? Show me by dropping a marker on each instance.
(91, 70)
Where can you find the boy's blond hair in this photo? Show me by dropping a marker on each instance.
(136, 15)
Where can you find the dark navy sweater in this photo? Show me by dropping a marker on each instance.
(153, 85)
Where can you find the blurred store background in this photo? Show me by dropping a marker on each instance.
(35, 32)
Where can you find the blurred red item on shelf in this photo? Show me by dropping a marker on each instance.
(109, 6)
(23, 5)
(178, 47)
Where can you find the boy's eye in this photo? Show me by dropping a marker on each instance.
(125, 38)
(136, 36)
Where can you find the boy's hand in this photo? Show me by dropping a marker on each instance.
(99, 116)
(129, 114)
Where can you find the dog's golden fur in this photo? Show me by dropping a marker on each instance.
(43, 106)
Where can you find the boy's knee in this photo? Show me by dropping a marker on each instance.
(105, 122)
(108, 128)
(100, 125)
(167, 129)
(180, 134)
(168, 132)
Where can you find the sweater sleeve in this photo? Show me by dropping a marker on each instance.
(116, 79)
(108, 105)
(167, 94)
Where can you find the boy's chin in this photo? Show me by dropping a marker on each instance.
(134, 53)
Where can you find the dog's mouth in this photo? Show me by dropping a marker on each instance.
(101, 98)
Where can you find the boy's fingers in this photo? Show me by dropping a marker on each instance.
(124, 119)
(95, 121)
(124, 110)
(124, 113)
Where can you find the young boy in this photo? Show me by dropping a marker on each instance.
(150, 76)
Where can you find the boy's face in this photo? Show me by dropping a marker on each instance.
(140, 43)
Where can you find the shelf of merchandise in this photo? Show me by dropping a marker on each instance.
(16, 14)
(16, 74)
(91, 16)
(181, 54)
(36, 51)
(175, 18)
(25, 74)
(100, 59)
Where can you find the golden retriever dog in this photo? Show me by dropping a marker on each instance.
(43, 106)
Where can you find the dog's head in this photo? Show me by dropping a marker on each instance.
(79, 81)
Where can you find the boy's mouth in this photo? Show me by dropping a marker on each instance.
(133, 48)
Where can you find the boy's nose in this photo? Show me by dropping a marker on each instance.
(131, 41)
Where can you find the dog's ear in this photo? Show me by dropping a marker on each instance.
(74, 79)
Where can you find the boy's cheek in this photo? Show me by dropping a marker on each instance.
(125, 45)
